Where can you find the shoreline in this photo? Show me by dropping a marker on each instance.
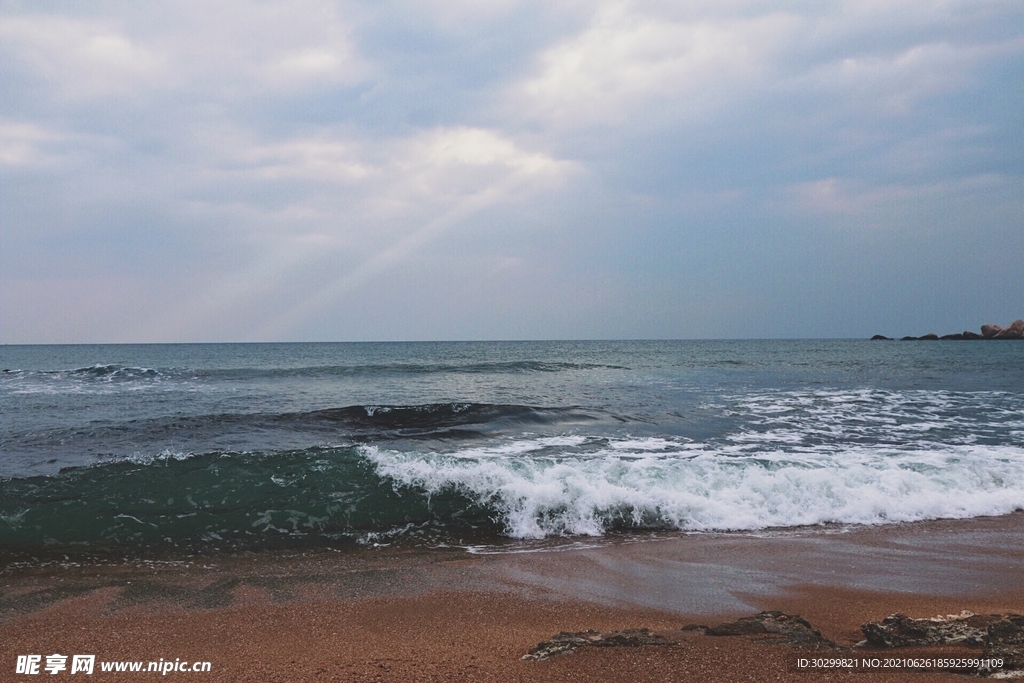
(446, 614)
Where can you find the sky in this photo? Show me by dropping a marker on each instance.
(187, 171)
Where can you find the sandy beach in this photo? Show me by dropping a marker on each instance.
(447, 615)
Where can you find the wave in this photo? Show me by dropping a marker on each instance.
(98, 372)
(113, 379)
(46, 450)
(113, 372)
(662, 484)
(93, 379)
(362, 422)
(437, 416)
(522, 487)
(410, 368)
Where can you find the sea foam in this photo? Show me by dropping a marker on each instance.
(538, 488)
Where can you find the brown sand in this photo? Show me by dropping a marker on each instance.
(448, 616)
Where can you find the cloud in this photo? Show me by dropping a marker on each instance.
(280, 47)
(835, 196)
(650, 66)
(627, 57)
(23, 145)
(264, 49)
(318, 159)
(366, 208)
(898, 82)
(84, 58)
(300, 67)
(263, 170)
(394, 179)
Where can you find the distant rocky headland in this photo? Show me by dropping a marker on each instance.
(1014, 330)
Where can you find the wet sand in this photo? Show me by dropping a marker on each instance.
(446, 615)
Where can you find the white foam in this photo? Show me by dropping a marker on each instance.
(512, 447)
(717, 489)
(150, 458)
(647, 444)
(97, 380)
(788, 419)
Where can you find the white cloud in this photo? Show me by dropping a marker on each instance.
(400, 178)
(85, 58)
(232, 47)
(897, 82)
(643, 64)
(32, 147)
(265, 48)
(23, 144)
(309, 65)
(367, 208)
(627, 57)
(319, 159)
(837, 196)
(312, 149)
(450, 164)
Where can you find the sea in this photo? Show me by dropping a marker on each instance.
(180, 450)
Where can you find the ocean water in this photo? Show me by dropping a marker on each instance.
(179, 449)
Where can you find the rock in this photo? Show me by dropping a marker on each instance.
(989, 330)
(947, 337)
(931, 336)
(899, 630)
(908, 338)
(791, 630)
(1014, 331)
(881, 337)
(1005, 640)
(972, 335)
(568, 642)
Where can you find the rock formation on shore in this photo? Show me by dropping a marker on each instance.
(566, 641)
(1014, 330)
(1000, 637)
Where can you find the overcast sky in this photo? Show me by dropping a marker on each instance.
(506, 169)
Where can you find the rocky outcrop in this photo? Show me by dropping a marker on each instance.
(1005, 641)
(775, 627)
(789, 629)
(899, 630)
(569, 642)
(1014, 330)
(1001, 635)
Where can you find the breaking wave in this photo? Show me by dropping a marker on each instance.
(658, 484)
(523, 487)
